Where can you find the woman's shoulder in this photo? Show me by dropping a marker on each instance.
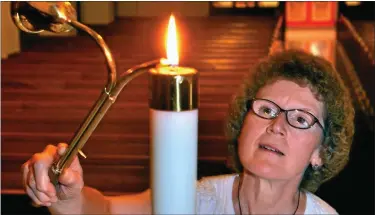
(212, 193)
(214, 184)
(217, 182)
(316, 205)
(217, 178)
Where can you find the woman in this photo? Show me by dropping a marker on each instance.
(290, 129)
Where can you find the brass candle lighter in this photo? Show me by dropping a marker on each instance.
(59, 17)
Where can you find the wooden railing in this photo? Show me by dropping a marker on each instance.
(360, 63)
(277, 43)
(358, 38)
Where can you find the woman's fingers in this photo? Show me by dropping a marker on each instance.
(39, 197)
(37, 182)
(25, 172)
(40, 169)
(35, 176)
(30, 193)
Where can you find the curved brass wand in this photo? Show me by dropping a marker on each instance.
(59, 17)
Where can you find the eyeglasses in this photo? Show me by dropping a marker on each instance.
(297, 118)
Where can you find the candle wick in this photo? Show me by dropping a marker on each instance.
(173, 67)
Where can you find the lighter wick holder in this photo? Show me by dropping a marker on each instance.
(59, 17)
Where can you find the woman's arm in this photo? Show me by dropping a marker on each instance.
(70, 196)
(139, 203)
(91, 201)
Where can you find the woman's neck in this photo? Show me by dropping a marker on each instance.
(262, 196)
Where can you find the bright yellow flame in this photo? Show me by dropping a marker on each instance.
(172, 48)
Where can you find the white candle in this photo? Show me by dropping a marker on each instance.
(174, 133)
(173, 139)
(174, 161)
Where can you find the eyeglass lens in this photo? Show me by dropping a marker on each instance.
(268, 110)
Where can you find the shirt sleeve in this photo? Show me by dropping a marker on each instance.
(206, 197)
(317, 205)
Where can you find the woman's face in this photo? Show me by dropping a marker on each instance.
(297, 147)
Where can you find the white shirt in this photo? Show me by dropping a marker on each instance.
(214, 196)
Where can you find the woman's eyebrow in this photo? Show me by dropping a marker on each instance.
(310, 111)
(302, 106)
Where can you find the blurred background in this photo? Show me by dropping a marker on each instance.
(50, 81)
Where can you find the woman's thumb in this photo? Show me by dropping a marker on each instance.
(69, 178)
(61, 148)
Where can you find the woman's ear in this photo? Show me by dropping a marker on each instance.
(315, 159)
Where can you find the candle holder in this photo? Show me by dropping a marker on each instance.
(173, 106)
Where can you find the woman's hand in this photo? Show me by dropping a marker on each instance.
(37, 183)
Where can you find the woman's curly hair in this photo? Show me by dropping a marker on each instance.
(326, 84)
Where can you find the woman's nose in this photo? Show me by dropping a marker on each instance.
(278, 125)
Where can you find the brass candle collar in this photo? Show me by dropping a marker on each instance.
(173, 88)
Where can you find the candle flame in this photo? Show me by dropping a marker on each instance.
(172, 48)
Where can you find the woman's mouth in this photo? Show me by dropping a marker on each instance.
(271, 149)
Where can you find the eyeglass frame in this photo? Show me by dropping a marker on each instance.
(249, 105)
